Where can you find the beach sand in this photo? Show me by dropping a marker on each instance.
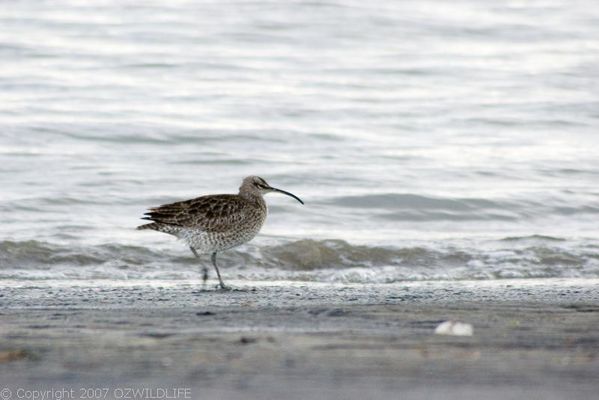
(534, 339)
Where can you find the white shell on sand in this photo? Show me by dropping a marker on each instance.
(454, 328)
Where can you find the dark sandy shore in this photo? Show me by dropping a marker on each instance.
(534, 339)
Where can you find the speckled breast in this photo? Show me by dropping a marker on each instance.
(237, 234)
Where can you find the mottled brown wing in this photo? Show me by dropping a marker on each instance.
(213, 213)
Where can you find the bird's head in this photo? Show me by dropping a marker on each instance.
(255, 184)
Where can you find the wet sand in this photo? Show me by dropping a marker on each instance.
(532, 338)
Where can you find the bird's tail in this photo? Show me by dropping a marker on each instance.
(153, 226)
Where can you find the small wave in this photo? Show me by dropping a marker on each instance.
(35, 254)
(398, 201)
(311, 260)
(413, 207)
(533, 238)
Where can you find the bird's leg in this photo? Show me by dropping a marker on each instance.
(204, 268)
(220, 280)
(204, 275)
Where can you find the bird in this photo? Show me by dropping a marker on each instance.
(217, 222)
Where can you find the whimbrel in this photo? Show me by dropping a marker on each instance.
(213, 223)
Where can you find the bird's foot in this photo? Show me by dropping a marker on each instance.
(221, 288)
(235, 289)
(225, 288)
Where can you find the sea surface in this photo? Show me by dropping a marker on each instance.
(430, 140)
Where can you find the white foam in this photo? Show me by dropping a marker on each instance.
(454, 328)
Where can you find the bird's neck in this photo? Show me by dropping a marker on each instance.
(254, 198)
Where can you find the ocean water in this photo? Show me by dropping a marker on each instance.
(428, 139)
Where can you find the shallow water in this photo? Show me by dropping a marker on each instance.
(429, 140)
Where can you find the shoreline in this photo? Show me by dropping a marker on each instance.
(536, 338)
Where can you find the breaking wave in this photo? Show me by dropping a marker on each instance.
(311, 260)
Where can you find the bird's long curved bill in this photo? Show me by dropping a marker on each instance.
(288, 194)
